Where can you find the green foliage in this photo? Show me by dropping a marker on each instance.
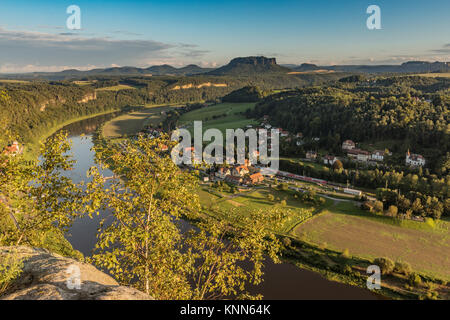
(36, 198)
(386, 265)
(403, 268)
(246, 94)
(415, 280)
(143, 245)
(346, 253)
(10, 268)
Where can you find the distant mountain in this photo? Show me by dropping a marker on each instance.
(307, 67)
(162, 70)
(249, 66)
(407, 67)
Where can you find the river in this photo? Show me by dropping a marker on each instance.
(281, 281)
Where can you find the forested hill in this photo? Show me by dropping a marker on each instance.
(403, 112)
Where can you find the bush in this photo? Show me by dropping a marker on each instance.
(386, 265)
(346, 253)
(415, 280)
(403, 268)
(10, 268)
(287, 242)
(430, 222)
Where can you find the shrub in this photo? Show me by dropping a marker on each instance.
(346, 253)
(347, 269)
(430, 222)
(10, 268)
(287, 242)
(403, 268)
(386, 265)
(415, 280)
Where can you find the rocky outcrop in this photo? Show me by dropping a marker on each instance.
(246, 66)
(88, 97)
(48, 276)
(199, 86)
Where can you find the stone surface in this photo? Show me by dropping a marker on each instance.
(48, 276)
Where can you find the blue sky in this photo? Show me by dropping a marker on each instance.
(34, 37)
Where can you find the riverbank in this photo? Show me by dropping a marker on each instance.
(32, 149)
(345, 269)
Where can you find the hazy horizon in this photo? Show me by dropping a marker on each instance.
(148, 33)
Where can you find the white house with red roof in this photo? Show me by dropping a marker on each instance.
(348, 145)
(414, 160)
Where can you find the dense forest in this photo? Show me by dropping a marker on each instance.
(402, 113)
(30, 109)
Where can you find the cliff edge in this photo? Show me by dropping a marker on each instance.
(48, 276)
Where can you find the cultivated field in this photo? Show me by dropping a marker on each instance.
(117, 88)
(132, 123)
(427, 249)
(244, 202)
(435, 75)
(222, 116)
(14, 81)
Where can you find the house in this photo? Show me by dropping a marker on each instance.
(358, 154)
(414, 160)
(348, 145)
(377, 155)
(311, 155)
(13, 149)
(254, 178)
(330, 160)
(299, 135)
(284, 133)
(234, 180)
(222, 173)
(240, 171)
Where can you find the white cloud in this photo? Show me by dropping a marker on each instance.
(39, 51)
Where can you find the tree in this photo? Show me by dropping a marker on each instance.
(37, 198)
(386, 265)
(143, 245)
(378, 207)
(338, 166)
(392, 211)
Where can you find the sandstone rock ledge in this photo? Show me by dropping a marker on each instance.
(45, 277)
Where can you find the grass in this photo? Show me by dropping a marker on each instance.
(435, 75)
(132, 123)
(221, 203)
(117, 88)
(367, 236)
(222, 116)
(84, 82)
(32, 149)
(314, 165)
(14, 81)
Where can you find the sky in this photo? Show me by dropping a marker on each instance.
(34, 35)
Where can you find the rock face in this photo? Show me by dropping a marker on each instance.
(250, 65)
(48, 276)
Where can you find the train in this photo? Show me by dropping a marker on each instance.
(337, 186)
